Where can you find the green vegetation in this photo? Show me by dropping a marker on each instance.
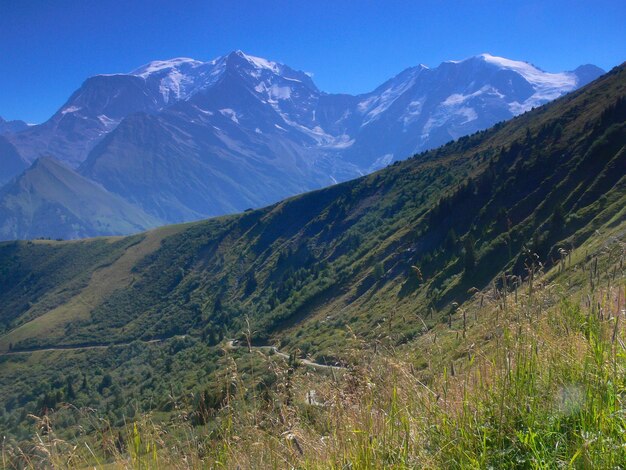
(49, 198)
(529, 375)
(422, 260)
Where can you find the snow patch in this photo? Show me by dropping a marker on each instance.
(231, 114)
(171, 84)
(468, 113)
(260, 63)
(280, 92)
(413, 112)
(531, 73)
(158, 65)
(106, 121)
(341, 142)
(458, 99)
(548, 86)
(204, 111)
(70, 109)
(273, 92)
(455, 99)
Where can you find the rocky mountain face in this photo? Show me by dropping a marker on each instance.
(185, 139)
(11, 162)
(92, 111)
(423, 108)
(11, 127)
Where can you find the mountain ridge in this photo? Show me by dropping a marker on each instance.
(170, 77)
(241, 132)
(11, 127)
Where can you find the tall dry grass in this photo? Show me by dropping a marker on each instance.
(530, 374)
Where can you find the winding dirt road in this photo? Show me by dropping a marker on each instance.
(232, 344)
(81, 347)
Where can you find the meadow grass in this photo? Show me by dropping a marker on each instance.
(530, 374)
(104, 281)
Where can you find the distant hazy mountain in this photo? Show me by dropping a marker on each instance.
(50, 200)
(11, 127)
(246, 137)
(92, 111)
(11, 162)
(186, 139)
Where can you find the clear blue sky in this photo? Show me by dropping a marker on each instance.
(47, 48)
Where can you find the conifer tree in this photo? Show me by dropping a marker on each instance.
(470, 253)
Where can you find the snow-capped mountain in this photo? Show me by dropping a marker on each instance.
(242, 136)
(185, 139)
(422, 108)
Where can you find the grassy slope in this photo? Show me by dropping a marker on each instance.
(534, 378)
(307, 271)
(110, 275)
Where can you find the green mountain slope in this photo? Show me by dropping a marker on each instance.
(313, 273)
(49, 195)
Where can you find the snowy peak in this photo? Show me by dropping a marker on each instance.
(422, 107)
(180, 78)
(538, 77)
(259, 69)
(191, 67)
(263, 92)
(257, 62)
(484, 79)
(157, 66)
(532, 74)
